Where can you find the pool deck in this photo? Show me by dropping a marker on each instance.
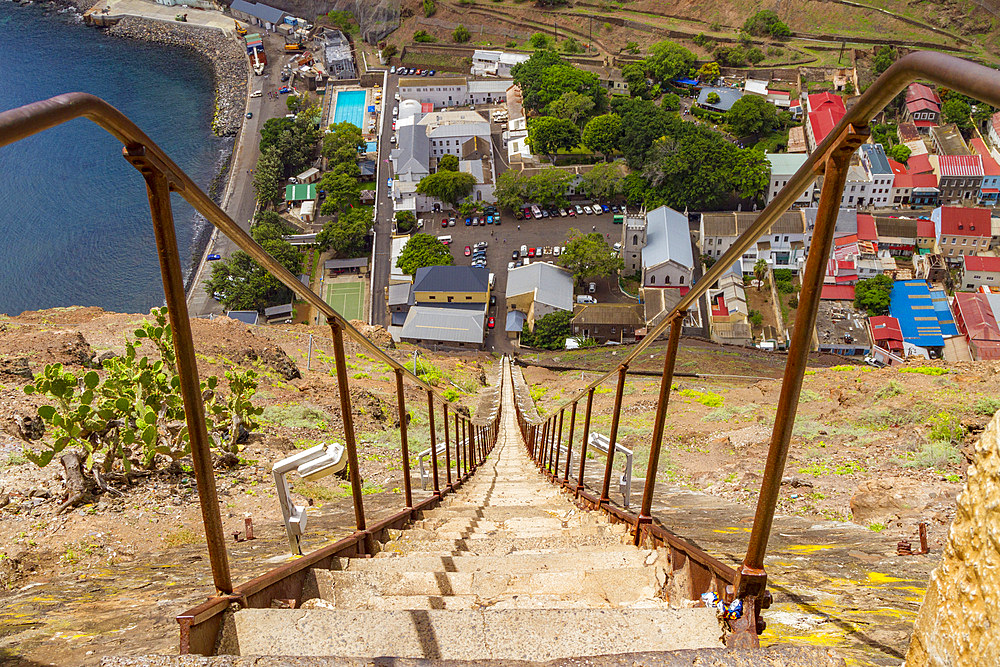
(369, 121)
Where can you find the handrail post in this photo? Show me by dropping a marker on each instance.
(752, 579)
(458, 451)
(544, 444)
(555, 450)
(447, 446)
(347, 416)
(404, 440)
(158, 192)
(569, 443)
(583, 445)
(472, 445)
(615, 419)
(434, 451)
(669, 361)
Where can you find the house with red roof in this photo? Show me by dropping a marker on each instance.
(886, 333)
(923, 107)
(989, 191)
(975, 318)
(961, 231)
(994, 132)
(926, 237)
(825, 110)
(925, 190)
(959, 178)
(980, 271)
(920, 164)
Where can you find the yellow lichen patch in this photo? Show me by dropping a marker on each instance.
(728, 530)
(806, 549)
(879, 578)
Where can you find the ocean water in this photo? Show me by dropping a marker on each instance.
(74, 217)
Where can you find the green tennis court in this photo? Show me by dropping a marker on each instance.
(347, 299)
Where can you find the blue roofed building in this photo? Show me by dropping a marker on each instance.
(925, 318)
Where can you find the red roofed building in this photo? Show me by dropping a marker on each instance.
(825, 111)
(926, 236)
(884, 332)
(960, 177)
(961, 231)
(920, 164)
(925, 190)
(837, 293)
(989, 191)
(980, 271)
(976, 319)
(994, 132)
(923, 106)
(866, 228)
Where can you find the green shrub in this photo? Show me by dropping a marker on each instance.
(451, 394)
(946, 427)
(429, 8)
(986, 406)
(706, 398)
(924, 370)
(888, 391)
(934, 455)
(296, 416)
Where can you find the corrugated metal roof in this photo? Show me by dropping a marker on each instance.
(414, 150)
(960, 165)
(977, 263)
(352, 263)
(261, 11)
(498, 86)
(451, 279)
(461, 324)
(428, 82)
(515, 321)
(551, 285)
(727, 97)
(877, 159)
(245, 316)
(625, 314)
(785, 163)
(667, 239)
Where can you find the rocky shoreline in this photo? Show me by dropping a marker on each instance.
(221, 52)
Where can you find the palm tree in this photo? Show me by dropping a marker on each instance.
(760, 271)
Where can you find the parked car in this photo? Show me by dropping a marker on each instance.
(571, 211)
(468, 222)
(433, 72)
(579, 210)
(605, 208)
(562, 213)
(392, 70)
(511, 265)
(538, 252)
(555, 251)
(618, 246)
(444, 223)
(524, 250)
(547, 250)
(591, 288)
(493, 299)
(585, 298)
(514, 255)
(492, 322)
(249, 114)
(531, 252)
(213, 257)
(451, 222)
(468, 251)
(284, 90)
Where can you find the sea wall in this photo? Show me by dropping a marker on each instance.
(959, 620)
(223, 53)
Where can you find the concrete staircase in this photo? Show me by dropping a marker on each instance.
(506, 569)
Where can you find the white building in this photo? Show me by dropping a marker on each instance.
(782, 246)
(878, 171)
(448, 131)
(783, 167)
(451, 91)
(857, 188)
(667, 259)
(495, 63)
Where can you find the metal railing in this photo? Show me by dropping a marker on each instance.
(831, 160)
(200, 625)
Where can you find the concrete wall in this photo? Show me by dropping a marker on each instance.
(959, 620)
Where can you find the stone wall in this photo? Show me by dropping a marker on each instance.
(959, 620)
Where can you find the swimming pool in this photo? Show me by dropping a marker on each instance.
(372, 147)
(350, 107)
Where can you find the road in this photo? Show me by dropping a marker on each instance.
(383, 208)
(239, 202)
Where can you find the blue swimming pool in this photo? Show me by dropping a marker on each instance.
(372, 147)
(350, 107)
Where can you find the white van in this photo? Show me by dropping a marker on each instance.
(256, 93)
(493, 279)
(446, 239)
(585, 298)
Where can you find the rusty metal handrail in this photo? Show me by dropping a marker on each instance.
(163, 177)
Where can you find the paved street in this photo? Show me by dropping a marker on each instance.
(383, 208)
(240, 202)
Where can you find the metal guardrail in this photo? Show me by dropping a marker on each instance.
(830, 160)
(199, 626)
(603, 443)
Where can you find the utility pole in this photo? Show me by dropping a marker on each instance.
(591, 40)
(555, 30)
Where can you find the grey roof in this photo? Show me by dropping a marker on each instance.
(367, 167)
(515, 321)
(414, 150)
(489, 86)
(877, 158)
(727, 97)
(451, 279)
(460, 130)
(399, 294)
(785, 163)
(352, 263)
(245, 316)
(847, 220)
(278, 311)
(551, 284)
(261, 11)
(667, 239)
(446, 324)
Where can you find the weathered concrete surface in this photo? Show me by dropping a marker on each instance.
(959, 620)
(788, 656)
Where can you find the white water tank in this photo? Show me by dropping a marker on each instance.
(408, 108)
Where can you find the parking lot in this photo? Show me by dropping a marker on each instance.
(506, 238)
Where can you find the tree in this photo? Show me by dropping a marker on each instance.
(572, 106)
(572, 46)
(751, 174)
(589, 256)
(635, 77)
(272, 129)
(341, 190)
(347, 236)
(547, 135)
(539, 41)
(713, 98)
(667, 61)
(958, 112)
(342, 142)
(751, 114)
(709, 72)
(423, 36)
(448, 162)
(872, 295)
(760, 272)
(267, 177)
(509, 189)
(604, 181)
(603, 134)
(448, 186)
(899, 153)
(423, 250)
(389, 51)
(296, 103)
(239, 283)
(405, 220)
(755, 55)
(548, 187)
(429, 8)
(642, 123)
(550, 332)
(269, 226)
(670, 102)
(884, 58)
(350, 169)
(544, 77)
(461, 34)
(766, 23)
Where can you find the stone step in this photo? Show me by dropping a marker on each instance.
(520, 562)
(619, 586)
(467, 602)
(494, 546)
(508, 634)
